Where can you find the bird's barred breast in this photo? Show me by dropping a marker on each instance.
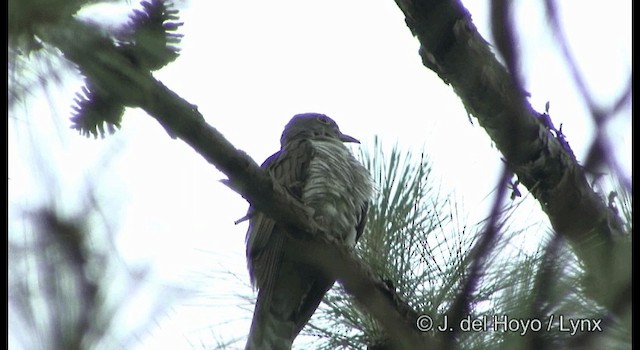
(337, 188)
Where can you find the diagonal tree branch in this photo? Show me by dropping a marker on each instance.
(452, 47)
(121, 79)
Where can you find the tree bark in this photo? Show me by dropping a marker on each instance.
(543, 161)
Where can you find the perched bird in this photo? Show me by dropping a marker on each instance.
(315, 166)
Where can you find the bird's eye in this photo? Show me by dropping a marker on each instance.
(323, 120)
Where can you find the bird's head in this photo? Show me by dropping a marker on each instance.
(313, 126)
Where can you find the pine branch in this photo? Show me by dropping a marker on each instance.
(147, 42)
(132, 86)
(94, 112)
(540, 157)
(150, 37)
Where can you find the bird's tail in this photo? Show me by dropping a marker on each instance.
(269, 331)
(284, 307)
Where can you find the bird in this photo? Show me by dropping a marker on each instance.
(314, 165)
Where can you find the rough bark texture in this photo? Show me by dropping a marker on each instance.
(452, 47)
(119, 78)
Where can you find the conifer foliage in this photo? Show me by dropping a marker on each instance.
(149, 42)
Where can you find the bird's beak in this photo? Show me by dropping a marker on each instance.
(347, 138)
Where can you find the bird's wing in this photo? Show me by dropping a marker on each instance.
(287, 167)
(362, 221)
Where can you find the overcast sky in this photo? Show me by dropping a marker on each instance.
(250, 66)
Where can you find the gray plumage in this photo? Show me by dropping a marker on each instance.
(317, 168)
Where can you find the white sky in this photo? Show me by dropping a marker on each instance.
(249, 66)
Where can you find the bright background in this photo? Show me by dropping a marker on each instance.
(251, 65)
